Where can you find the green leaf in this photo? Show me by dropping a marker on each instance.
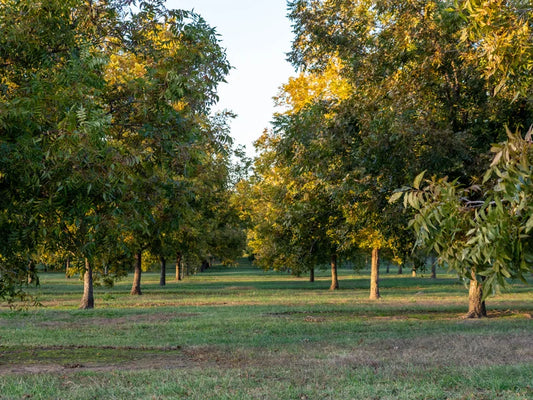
(418, 180)
(395, 197)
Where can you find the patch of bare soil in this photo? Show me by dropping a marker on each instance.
(160, 358)
(391, 315)
(239, 288)
(451, 350)
(399, 354)
(117, 321)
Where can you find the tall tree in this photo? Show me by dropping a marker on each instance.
(102, 106)
(54, 128)
(418, 99)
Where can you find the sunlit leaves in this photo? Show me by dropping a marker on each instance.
(123, 68)
(307, 88)
(502, 34)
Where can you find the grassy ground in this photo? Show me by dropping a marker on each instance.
(244, 334)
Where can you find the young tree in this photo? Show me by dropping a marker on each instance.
(482, 232)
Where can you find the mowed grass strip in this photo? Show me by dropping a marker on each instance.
(243, 334)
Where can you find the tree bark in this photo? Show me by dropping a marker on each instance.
(312, 275)
(400, 269)
(374, 276)
(87, 301)
(32, 274)
(334, 278)
(67, 268)
(136, 287)
(476, 305)
(179, 271)
(434, 270)
(163, 278)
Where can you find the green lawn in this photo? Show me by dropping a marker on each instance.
(240, 333)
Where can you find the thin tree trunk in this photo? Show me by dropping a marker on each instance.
(312, 275)
(67, 268)
(434, 268)
(87, 301)
(32, 274)
(476, 305)
(179, 272)
(388, 268)
(136, 287)
(400, 269)
(374, 276)
(334, 278)
(163, 278)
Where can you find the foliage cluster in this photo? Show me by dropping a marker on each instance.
(387, 89)
(107, 143)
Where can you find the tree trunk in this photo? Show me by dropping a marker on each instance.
(476, 305)
(400, 269)
(434, 269)
(374, 276)
(87, 301)
(163, 278)
(136, 287)
(179, 272)
(32, 274)
(312, 275)
(67, 268)
(388, 268)
(334, 278)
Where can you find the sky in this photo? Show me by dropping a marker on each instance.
(257, 35)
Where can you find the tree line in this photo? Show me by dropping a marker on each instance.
(108, 146)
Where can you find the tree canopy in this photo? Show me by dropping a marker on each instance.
(106, 129)
(386, 90)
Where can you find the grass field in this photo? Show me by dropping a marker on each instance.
(240, 333)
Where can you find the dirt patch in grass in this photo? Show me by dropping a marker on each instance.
(381, 315)
(396, 354)
(392, 314)
(116, 321)
(451, 350)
